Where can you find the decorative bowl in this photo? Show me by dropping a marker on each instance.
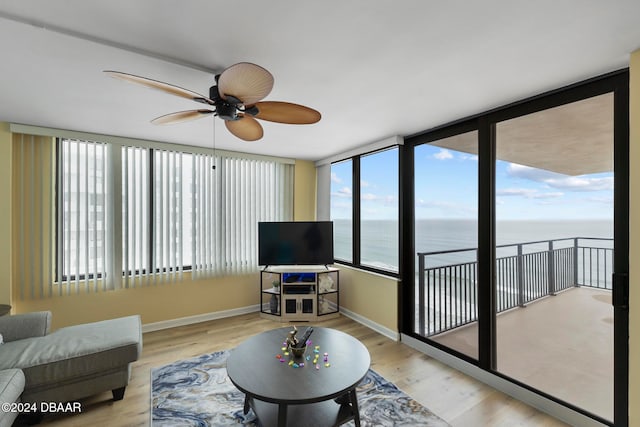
(298, 352)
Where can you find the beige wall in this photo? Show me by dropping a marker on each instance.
(304, 194)
(634, 246)
(5, 214)
(154, 303)
(370, 295)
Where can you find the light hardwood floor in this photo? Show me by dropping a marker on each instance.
(455, 397)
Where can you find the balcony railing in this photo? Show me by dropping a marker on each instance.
(447, 280)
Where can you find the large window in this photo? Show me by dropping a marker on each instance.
(81, 209)
(446, 235)
(364, 210)
(125, 212)
(342, 209)
(379, 210)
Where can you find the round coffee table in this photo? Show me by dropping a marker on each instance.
(282, 395)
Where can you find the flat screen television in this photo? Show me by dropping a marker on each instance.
(295, 243)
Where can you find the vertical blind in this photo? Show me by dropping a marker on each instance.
(125, 216)
(33, 215)
(227, 205)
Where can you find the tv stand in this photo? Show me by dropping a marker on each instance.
(299, 293)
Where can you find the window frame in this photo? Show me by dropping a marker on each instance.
(356, 214)
(59, 219)
(60, 276)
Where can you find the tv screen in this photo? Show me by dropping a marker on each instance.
(295, 243)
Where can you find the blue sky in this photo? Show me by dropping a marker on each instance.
(378, 186)
(446, 187)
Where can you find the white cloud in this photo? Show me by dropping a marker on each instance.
(551, 195)
(515, 170)
(576, 183)
(529, 193)
(524, 192)
(335, 178)
(343, 192)
(468, 157)
(369, 196)
(560, 181)
(443, 154)
(364, 183)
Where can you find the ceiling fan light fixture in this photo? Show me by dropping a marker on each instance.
(226, 111)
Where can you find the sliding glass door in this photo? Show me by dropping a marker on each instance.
(519, 232)
(554, 252)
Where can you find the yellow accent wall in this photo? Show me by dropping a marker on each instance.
(304, 193)
(153, 303)
(5, 214)
(370, 295)
(634, 242)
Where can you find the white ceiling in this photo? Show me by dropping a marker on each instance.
(372, 68)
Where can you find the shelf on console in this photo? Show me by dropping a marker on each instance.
(303, 294)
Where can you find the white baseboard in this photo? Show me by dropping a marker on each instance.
(190, 320)
(383, 330)
(527, 396)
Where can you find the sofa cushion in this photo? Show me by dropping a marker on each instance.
(11, 385)
(25, 325)
(75, 351)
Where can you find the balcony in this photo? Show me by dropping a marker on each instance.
(554, 323)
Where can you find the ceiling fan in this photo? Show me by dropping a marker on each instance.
(235, 98)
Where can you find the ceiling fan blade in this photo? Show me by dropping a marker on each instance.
(245, 81)
(165, 87)
(181, 116)
(246, 128)
(286, 112)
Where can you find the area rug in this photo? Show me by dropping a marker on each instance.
(197, 392)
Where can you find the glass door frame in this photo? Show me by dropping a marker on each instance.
(485, 123)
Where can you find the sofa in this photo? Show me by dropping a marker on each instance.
(40, 368)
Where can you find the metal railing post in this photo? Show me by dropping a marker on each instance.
(552, 272)
(520, 276)
(575, 263)
(421, 301)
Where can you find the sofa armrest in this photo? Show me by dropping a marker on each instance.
(27, 325)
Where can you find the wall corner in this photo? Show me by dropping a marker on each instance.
(304, 191)
(6, 156)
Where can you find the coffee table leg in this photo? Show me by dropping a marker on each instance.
(246, 404)
(354, 407)
(282, 415)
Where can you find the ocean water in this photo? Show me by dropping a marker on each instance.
(380, 238)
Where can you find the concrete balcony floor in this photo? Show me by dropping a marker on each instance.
(561, 345)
